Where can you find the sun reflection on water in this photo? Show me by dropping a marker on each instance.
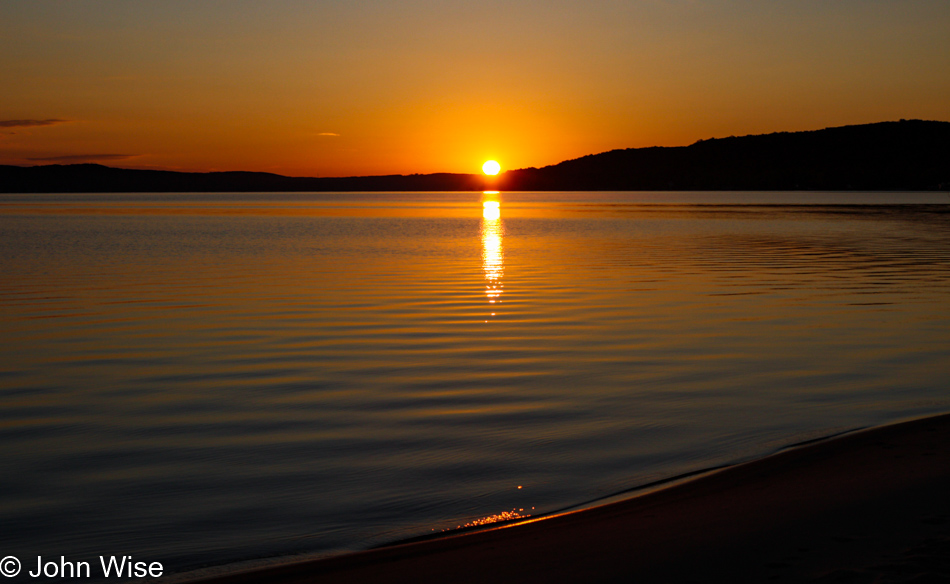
(492, 252)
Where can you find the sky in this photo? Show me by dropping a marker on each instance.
(363, 87)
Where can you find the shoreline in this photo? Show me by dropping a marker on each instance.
(866, 505)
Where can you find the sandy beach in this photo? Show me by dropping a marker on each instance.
(868, 506)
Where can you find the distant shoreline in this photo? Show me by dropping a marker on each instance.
(866, 502)
(907, 155)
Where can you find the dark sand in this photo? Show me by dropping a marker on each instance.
(871, 506)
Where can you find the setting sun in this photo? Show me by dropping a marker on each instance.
(491, 167)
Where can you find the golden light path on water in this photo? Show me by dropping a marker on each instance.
(492, 252)
(493, 262)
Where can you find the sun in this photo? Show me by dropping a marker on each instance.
(491, 167)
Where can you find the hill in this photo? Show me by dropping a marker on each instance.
(95, 178)
(904, 155)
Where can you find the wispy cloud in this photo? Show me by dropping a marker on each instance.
(84, 158)
(327, 134)
(30, 123)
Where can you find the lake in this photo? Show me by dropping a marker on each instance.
(209, 379)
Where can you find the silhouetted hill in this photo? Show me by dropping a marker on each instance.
(95, 178)
(904, 155)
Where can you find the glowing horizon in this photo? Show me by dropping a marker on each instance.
(336, 89)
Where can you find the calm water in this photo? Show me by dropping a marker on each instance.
(206, 379)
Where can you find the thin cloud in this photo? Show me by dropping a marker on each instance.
(84, 158)
(327, 134)
(30, 123)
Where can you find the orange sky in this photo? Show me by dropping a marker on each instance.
(339, 88)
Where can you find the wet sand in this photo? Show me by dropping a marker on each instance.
(869, 506)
